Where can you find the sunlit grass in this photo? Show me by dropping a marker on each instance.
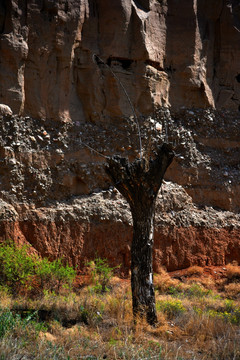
(195, 321)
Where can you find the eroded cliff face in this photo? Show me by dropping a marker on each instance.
(167, 53)
(178, 63)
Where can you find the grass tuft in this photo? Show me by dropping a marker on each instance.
(233, 272)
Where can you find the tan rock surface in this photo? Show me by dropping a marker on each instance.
(179, 63)
(164, 52)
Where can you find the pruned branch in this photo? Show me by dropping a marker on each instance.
(138, 176)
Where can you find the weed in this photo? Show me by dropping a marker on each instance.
(175, 290)
(4, 291)
(10, 321)
(198, 291)
(229, 305)
(232, 317)
(171, 307)
(7, 322)
(101, 274)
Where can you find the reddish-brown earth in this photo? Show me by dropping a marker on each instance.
(100, 225)
(179, 63)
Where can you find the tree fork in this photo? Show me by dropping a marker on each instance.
(139, 183)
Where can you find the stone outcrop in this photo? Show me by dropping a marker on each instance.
(71, 72)
(166, 53)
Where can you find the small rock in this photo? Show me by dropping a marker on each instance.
(158, 126)
(12, 161)
(32, 138)
(5, 110)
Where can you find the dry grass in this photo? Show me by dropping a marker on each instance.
(195, 322)
(233, 272)
(194, 270)
(232, 291)
(163, 281)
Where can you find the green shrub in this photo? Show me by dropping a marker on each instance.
(54, 275)
(101, 274)
(175, 291)
(171, 307)
(7, 322)
(16, 266)
(232, 317)
(197, 291)
(230, 312)
(229, 305)
(21, 271)
(4, 291)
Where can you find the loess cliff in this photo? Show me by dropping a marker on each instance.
(71, 72)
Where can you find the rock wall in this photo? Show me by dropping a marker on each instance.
(71, 73)
(166, 53)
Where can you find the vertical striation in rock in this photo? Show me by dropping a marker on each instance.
(166, 53)
(178, 61)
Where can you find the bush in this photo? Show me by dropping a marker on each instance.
(196, 290)
(54, 275)
(10, 321)
(232, 316)
(101, 274)
(171, 307)
(16, 266)
(20, 271)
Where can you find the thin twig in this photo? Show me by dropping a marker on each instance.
(129, 100)
(89, 147)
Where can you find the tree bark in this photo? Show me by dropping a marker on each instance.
(143, 297)
(139, 182)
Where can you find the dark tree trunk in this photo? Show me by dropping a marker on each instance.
(143, 297)
(139, 182)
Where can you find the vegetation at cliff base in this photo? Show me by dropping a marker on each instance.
(55, 314)
(29, 274)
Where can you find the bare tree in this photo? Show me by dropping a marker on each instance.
(139, 183)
